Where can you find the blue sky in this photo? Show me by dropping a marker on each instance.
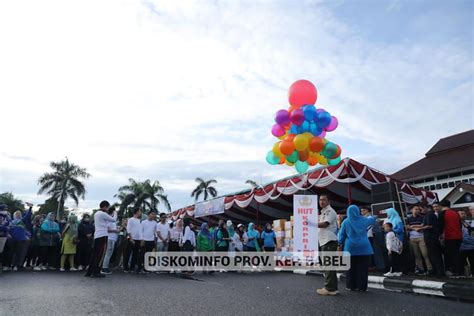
(172, 90)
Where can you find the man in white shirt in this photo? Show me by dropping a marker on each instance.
(162, 234)
(135, 234)
(328, 241)
(149, 232)
(112, 237)
(101, 222)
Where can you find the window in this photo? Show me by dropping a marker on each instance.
(465, 181)
(432, 187)
(418, 181)
(471, 181)
(454, 175)
(445, 185)
(466, 172)
(445, 176)
(451, 184)
(457, 182)
(430, 179)
(438, 186)
(427, 187)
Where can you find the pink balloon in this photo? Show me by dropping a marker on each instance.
(302, 92)
(297, 117)
(323, 134)
(278, 130)
(333, 125)
(282, 117)
(320, 110)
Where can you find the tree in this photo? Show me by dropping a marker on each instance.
(63, 183)
(13, 204)
(146, 195)
(252, 183)
(50, 205)
(204, 187)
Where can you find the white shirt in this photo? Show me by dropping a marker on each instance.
(175, 234)
(188, 235)
(148, 230)
(327, 234)
(237, 242)
(112, 236)
(101, 222)
(164, 230)
(134, 229)
(393, 243)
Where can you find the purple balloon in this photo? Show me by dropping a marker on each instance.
(333, 124)
(297, 117)
(323, 134)
(282, 117)
(278, 130)
(320, 110)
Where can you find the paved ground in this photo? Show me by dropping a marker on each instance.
(54, 293)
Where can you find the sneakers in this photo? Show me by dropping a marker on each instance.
(419, 272)
(37, 268)
(73, 269)
(43, 268)
(388, 274)
(325, 292)
(15, 268)
(80, 268)
(449, 273)
(62, 270)
(106, 271)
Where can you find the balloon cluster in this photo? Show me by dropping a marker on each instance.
(301, 130)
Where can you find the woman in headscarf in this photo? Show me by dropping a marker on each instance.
(353, 235)
(397, 223)
(231, 232)
(204, 238)
(253, 235)
(33, 259)
(269, 238)
(175, 235)
(68, 249)
(20, 237)
(222, 238)
(49, 240)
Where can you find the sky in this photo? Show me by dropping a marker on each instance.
(174, 90)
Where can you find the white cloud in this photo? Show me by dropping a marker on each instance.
(121, 87)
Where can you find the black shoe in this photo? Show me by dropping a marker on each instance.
(106, 271)
(98, 276)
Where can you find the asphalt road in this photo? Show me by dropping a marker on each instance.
(69, 293)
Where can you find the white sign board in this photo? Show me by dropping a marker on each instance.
(305, 229)
(209, 208)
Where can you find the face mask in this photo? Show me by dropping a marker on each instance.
(86, 220)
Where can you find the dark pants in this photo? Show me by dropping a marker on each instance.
(48, 256)
(330, 276)
(434, 253)
(20, 249)
(452, 256)
(33, 257)
(84, 249)
(269, 249)
(137, 256)
(149, 245)
(395, 261)
(465, 256)
(173, 246)
(358, 275)
(98, 252)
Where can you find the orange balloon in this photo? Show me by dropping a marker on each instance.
(316, 144)
(304, 155)
(290, 137)
(282, 160)
(338, 152)
(287, 147)
(312, 161)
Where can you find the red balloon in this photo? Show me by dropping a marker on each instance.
(302, 92)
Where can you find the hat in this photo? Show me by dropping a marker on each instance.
(229, 223)
(240, 225)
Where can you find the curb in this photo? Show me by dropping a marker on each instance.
(458, 290)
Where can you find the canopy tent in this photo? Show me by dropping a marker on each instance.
(347, 182)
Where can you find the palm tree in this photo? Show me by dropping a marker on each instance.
(13, 204)
(63, 183)
(252, 183)
(204, 187)
(156, 194)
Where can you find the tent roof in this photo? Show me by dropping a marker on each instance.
(347, 182)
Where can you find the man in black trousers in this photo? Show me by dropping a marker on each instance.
(101, 221)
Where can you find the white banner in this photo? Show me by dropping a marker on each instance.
(208, 208)
(305, 229)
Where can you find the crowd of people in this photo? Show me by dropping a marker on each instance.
(432, 240)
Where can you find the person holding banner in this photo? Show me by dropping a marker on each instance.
(328, 241)
(353, 235)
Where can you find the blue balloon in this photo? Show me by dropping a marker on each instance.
(305, 126)
(323, 119)
(335, 161)
(299, 129)
(294, 129)
(272, 159)
(309, 112)
(301, 166)
(315, 129)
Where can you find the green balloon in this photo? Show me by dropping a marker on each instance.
(272, 159)
(301, 166)
(329, 150)
(335, 161)
(293, 157)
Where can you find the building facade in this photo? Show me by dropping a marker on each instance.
(447, 164)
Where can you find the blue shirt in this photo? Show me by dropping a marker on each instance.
(268, 239)
(355, 240)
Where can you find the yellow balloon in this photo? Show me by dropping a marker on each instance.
(308, 135)
(276, 150)
(301, 142)
(322, 160)
(289, 163)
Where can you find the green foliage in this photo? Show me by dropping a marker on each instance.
(205, 188)
(12, 202)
